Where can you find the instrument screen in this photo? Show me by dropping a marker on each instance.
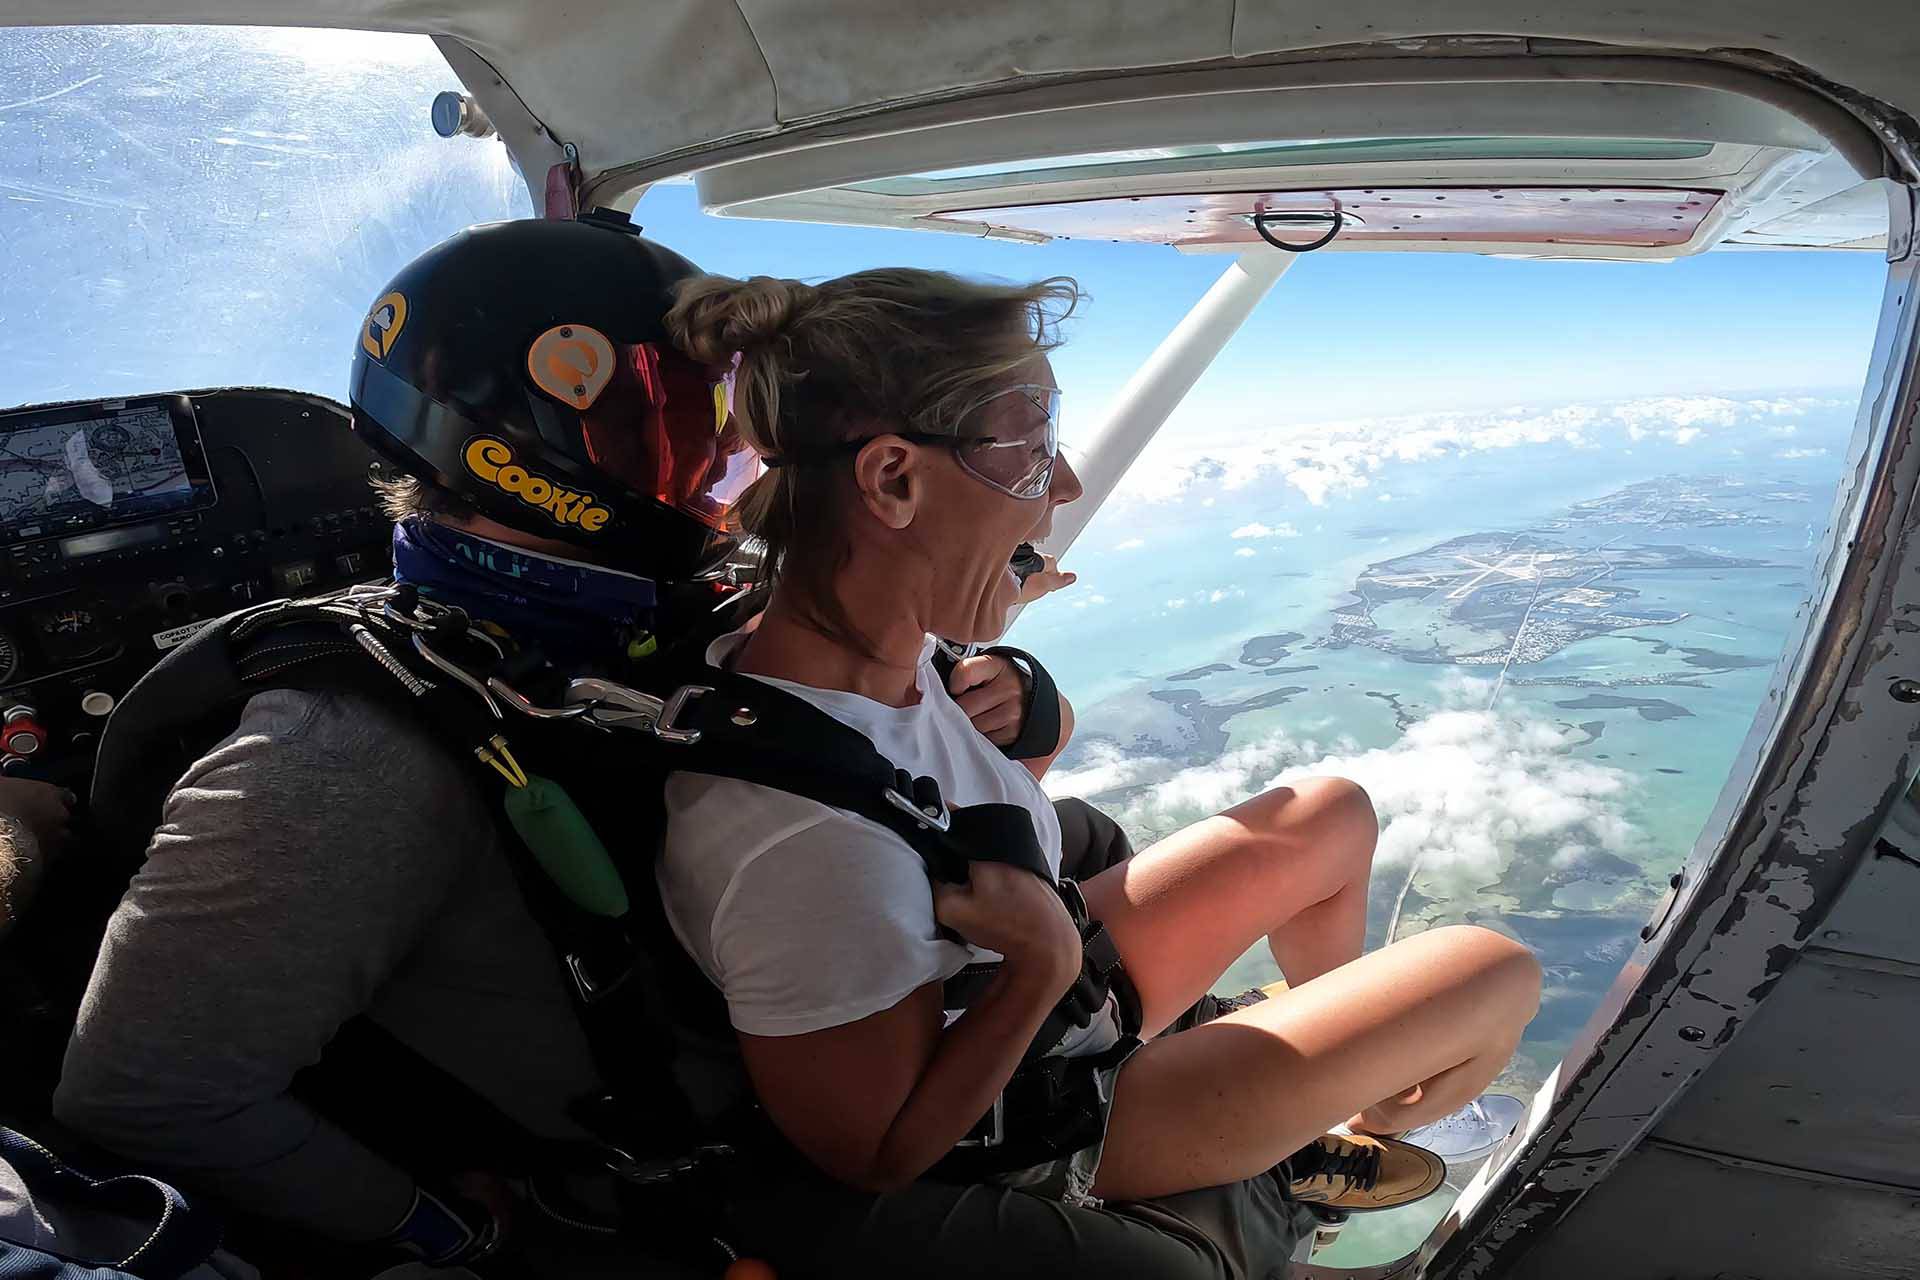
(76, 468)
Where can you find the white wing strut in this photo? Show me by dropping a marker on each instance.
(1160, 384)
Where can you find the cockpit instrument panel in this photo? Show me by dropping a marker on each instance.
(126, 525)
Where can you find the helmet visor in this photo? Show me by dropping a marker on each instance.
(663, 426)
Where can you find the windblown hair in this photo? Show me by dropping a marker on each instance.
(402, 497)
(895, 349)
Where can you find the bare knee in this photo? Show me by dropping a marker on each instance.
(1502, 971)
(1347, 804)
(1329, 809)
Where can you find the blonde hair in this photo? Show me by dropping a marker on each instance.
(896, 349)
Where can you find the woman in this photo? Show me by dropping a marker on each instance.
(908, 420)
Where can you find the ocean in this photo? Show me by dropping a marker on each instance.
(1540, 656)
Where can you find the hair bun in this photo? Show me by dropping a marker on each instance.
(716, 316)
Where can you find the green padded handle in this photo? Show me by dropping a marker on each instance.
(566, 846)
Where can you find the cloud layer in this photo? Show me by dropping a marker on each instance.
(1464, 790)
(1323, 458)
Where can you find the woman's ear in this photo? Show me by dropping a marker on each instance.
(887, 473)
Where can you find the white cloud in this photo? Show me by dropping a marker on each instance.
(1322, 460)
(1244, 552)
(1788, 455)
(1258, 530)
(1463, 789)
(1131, 544)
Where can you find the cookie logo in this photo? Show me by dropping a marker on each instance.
(492, 461)
(384, 322)
(572, 363)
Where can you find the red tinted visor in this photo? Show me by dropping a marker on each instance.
(663, 426)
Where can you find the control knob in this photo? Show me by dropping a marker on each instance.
(21, 733)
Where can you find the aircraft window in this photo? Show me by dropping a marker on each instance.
(206, 206)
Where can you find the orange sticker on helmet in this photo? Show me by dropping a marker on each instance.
(383, 325)
(572, 363)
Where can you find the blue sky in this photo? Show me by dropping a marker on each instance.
(1358, 335)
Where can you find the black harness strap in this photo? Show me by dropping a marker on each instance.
(733, 726)
(195, 696)
(1040, 717)
(1040, 705)
(717, 723)
(741, 728)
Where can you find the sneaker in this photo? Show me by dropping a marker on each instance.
(1248, 998)
(1361, 1172)
(1210, 1006)
(1473, 1131)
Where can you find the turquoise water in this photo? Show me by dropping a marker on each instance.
(1556, 824)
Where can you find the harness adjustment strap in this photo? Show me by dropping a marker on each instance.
(1040, 716)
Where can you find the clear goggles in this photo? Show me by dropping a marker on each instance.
(1015, 455)
(1018, 455)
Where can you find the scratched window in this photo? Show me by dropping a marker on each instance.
(186, 207)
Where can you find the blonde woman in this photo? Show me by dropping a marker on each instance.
(909, 423)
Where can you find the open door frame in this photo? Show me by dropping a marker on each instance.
(1831, 752)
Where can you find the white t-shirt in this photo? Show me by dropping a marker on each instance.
(807, 916)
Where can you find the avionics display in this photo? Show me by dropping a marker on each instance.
(82, 466)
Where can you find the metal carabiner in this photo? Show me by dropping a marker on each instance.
(459, 673)
(519, 702)
(667, 727)
(610, 705)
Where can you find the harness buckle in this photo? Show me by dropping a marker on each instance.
(994, 1123)
(664, 1172)
(585, 986)
(667, 728)
(933, 816)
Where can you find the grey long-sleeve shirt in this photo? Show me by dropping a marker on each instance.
(322, 862)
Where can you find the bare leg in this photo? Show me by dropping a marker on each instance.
(1441, 1011)
(1290, 865)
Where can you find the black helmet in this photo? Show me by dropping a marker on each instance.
(525, 367)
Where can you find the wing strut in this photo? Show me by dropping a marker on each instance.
(1160, 384)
